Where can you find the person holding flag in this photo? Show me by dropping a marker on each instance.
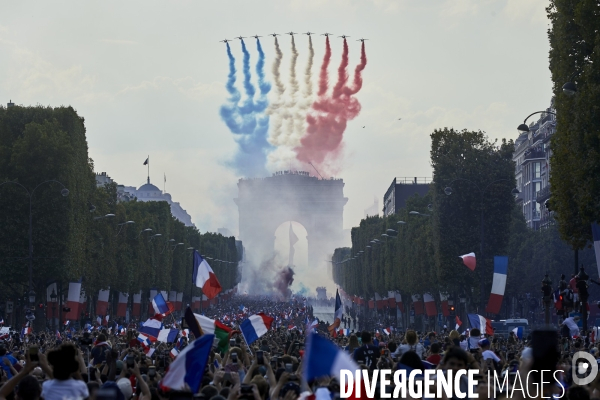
(337, 317)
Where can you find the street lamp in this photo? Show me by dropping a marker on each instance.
(524, 128)
(31, 297)
(569, 87)
(448, 192)
(104, 216)
(64, 192)
(121, 225)
(53, 297)
(418, 213)
(144, 230)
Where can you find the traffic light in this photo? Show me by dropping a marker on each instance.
(41, 306)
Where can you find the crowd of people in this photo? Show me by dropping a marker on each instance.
(106, 364)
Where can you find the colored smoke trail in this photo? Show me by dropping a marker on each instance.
(276, 67)
(263, 85)
(323, 77)
(250, 91)
(293, 79)
(308, 71)
(248, 121)
(342, 73)
(329, 116)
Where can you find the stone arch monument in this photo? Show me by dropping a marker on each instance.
(266, 203)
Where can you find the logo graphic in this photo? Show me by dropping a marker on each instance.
(584, 364)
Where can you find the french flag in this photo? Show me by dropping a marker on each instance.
(151, 327)
(160, 305)
(102, 303)
(186, 372)
(137, 305)
(596, 237)
(323, 358)
(144, 340)
(518, 331)
(417, 304)
(399, 300)
(498, 284)
(73, 300)
(255, 326)
(345, 332)
(174, 353)
(444, 304)
(482, 323)
(122, 307)
(204, 277)
(167, 335)
(430, 308)
(149, 351)
(387, 331)
(469, 260)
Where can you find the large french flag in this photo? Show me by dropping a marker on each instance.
(167, 335)
(204, 277)
(151, 327)
(444, 304)
(469, 260)
(160, 305)
(122, 306)
(255, 326)
(102, 303)
(324, 358)
(137, 305)
(596, 236)
(73, 300)
(430, 308)
(498, 284)
(186, 372)
(482, 323)
(417, 304)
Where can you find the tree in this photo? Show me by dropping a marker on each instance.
(575, 54)
(481, 176)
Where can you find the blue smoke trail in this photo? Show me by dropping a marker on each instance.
(248, 120)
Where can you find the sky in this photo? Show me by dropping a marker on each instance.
(149, 79)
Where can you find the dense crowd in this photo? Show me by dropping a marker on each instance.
(108, 364)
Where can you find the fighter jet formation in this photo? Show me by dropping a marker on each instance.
(291, 34)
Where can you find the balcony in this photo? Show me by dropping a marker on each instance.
(543, 194)
(532, 154)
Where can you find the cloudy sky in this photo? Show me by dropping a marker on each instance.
(149, 78)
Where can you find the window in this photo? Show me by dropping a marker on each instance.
(536, 188)
(536, 170)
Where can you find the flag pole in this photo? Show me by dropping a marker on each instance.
(245, 341)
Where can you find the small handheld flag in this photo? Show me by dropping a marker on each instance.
(469, 260)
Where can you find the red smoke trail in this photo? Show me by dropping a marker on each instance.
(329, 115)
(342, 73)
(323, 78)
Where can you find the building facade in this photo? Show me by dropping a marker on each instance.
(146, 192)
(400, 190)
(532, 169)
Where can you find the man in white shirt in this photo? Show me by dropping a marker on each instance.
(571, 323)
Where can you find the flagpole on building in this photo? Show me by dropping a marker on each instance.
(148, 168)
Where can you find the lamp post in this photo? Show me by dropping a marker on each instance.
(64, 192)
(547, 297)
(53, 297)
(582, 291)
(448, 192)
(524, 128)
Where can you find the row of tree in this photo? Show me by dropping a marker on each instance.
(69, 241)
(574, 57)
(472, 190)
